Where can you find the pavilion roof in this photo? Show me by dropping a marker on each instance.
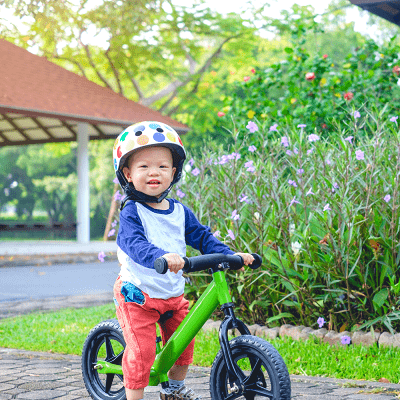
(41, 102)
(389, 10)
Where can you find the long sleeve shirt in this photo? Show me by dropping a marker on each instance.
(146, 233)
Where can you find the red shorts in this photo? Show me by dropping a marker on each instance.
(138, 323)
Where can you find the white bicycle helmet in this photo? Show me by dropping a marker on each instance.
(138, 136)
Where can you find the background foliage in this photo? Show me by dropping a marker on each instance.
(323, 213)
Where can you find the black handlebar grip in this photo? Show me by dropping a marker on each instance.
(257, 261)
(161, 265)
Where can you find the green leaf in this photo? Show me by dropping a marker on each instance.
(279, 316)
(380, 297)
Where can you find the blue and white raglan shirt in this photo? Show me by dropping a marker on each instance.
(146, 233)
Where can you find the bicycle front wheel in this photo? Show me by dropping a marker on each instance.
(105, 342)
(262, 369)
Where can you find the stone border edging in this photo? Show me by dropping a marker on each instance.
(332, 337)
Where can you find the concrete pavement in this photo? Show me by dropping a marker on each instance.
(45, 376)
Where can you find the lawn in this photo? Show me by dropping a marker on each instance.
(65, 331)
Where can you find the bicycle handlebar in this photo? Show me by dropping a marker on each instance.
(200, 263)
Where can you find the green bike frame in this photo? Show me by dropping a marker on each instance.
(217, 293)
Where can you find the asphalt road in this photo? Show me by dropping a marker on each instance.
(36, 282)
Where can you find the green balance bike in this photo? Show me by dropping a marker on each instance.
(246, 367)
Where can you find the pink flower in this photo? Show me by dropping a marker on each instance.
(348, 96)
(325, 56)
(253, 71)
(221, 114)
(310, 76)
(246, 78)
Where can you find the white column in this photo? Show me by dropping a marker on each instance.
(83, 201)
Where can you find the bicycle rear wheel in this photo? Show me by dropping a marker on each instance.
(105, 342)
(262, 369)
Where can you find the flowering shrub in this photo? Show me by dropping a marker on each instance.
(315, 89)
(323, 214)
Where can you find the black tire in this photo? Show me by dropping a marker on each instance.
(100, 344)
(267, 376)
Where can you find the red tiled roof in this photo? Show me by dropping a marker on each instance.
(32, 85)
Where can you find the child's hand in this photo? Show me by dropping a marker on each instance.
(247, 259)
(175, 262)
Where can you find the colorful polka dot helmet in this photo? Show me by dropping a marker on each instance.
(145, 134)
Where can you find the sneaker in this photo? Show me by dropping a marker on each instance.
(183, 393)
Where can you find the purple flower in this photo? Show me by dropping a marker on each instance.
(301, 126)
(191, 162)
(293, 183)
(101, 256)
(345, 339)
(114, 224)
(115, 180)
(180, 194)
(313, 137)
(111, 233)
(310, 151)
(252, 149)
(231, 235)
(223, 160)
(394, 119)
(309, 192)
(359, 155)
(328, 162)
(252, 127)
(217, 234)
(320, 322)
(196, 172)
(387, 198)
(250, 167)
(295, 150)
(244, 198)
(273, 127)
(327, 208)
(235, 216)
(289, 153)
(335, 186)
(284, 141)
(294, 201)
(357, 114)
(117, 196)
(349, 139)
(300, 171)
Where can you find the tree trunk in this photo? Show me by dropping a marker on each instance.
(113, 208)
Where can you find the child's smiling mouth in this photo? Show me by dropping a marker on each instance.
(153, 182)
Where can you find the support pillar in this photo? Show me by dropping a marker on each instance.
(83, 201)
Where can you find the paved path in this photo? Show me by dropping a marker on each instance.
(45, 376)
(35, 282)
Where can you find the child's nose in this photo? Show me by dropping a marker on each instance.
(153, 171)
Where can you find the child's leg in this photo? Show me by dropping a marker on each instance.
(178, 372)
(134, 394)
(138, 322)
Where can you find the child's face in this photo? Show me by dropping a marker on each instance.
(151, 170)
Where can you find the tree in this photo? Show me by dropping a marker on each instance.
(153, 51)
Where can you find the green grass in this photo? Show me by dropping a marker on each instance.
(65, 331)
